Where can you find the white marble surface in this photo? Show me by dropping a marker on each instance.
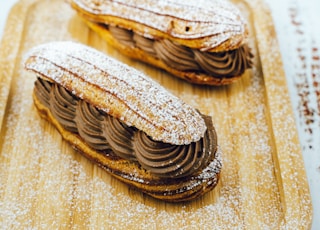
(298, 31)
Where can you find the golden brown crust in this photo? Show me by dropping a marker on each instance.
(211, 26)
(118, 90)
(172, 190)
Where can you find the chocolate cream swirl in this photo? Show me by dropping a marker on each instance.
(109, 135)
(217, 64)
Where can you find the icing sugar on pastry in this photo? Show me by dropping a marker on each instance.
(125, 122)
(216, 20)
(103, 82)
(203, 42)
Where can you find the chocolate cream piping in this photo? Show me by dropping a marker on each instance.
(217, 64)
(110, 136)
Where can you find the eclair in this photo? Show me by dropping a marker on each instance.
(125, 122)
(203, 42)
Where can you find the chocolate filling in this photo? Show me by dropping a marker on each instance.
(216, 64)
(107, 134)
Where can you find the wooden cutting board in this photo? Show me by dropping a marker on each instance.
(45, 184)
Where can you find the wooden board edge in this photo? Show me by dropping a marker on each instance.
(9, 49)
(288, 158)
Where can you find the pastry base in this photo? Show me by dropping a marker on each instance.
(173, 190)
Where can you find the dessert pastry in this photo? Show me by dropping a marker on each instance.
(203, 42)
(125, 122)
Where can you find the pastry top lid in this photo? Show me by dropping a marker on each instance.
(117, 89)
(204, 24)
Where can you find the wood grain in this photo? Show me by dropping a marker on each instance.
(45, 184)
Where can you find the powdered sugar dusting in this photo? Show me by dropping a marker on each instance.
(123, 91)
(44, 184)
(217, 20)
